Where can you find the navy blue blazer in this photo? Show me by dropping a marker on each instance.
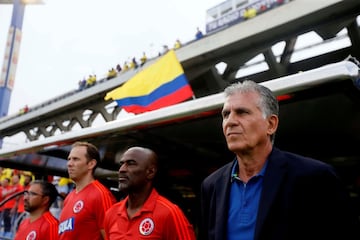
(302, 198)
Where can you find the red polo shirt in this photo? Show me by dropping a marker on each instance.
(157, 219)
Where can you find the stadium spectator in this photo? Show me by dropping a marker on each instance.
(250, 12)
(91, 81)
(24, 110)
(133, 63)
(26, 177)
(198, 34)
(263, 7)
(118, 68)
(82, 84)
(144, 213)
(5, 173)
(143, 59)
(111, 74)
(41, 224)
(125, 66)
(177, 44)
(82, 216)
(165, 49)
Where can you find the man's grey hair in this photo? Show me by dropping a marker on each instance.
(268, 103)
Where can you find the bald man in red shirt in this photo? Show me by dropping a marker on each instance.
(144, 213)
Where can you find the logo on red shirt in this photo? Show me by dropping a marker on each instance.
(146, 226)
(78, 206)
(31, 236)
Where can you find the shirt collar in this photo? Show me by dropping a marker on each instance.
(235, 176)
(148, 206)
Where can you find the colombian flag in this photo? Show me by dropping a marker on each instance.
(161, 84)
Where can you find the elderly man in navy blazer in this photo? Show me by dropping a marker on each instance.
(266, 193)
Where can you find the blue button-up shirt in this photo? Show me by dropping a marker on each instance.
(244, 204)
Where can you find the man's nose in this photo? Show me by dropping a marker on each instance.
(231, 118)
(123, 168)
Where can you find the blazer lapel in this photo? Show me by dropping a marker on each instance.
(222, 198)
(274, 175)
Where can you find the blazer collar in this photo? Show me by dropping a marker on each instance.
(274, 175)
(222, 198)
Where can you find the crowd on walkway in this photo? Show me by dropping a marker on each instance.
(131, 64)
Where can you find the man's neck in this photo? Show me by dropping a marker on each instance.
(82, 183)
(251, 162)
(36, 214)
(136, 200)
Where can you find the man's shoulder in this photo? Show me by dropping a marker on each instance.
(115, 207)
(101, 193)
(166, 206)
(223, 171)
(113, 212)
(49, 221)
(95, 191)
(298, 162)
(99, 186)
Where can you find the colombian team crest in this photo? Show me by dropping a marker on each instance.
(31, 236)
(78, 206)
(146, 227)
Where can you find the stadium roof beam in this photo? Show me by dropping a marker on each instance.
(288, 51)
(354, 35)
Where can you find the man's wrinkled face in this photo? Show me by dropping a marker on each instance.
(244, 125)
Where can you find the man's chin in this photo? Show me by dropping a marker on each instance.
(234, 147)
(123, 187)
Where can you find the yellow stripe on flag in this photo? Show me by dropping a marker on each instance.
(164, 70)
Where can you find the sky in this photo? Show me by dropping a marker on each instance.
(64, 41)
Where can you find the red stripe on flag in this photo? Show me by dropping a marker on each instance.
(171, 99)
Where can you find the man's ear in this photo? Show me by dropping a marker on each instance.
(151, 172)
(92, 164)
(273, 123)
(46, 201)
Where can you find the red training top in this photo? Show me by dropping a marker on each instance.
(157, 219)
(43, 228)
(83, 214)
